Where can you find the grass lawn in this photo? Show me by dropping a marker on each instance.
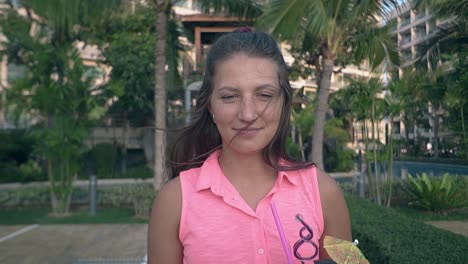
(27, 216)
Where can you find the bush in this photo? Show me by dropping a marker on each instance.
(436, 194)
(338, 160)
(28, 196)
(138, 196)
(104, 158)
(386, 236)
(16, 164)
(140, 172)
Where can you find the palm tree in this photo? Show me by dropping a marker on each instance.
(56, 87)
(162, 9)
(241, 9)
(337, 33)
(394, 107)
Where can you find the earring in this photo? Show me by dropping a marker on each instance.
(212, 116)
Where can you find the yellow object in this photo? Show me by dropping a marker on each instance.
(343, 251)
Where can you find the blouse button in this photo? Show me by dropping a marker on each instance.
(261, 251)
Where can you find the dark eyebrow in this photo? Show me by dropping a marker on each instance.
(261, 87)
(267, 86)
(228, 88)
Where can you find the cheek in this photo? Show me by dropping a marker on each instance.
(223, 115)
(275, 112)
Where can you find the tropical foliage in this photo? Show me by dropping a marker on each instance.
(334, 34)
(437, 194)
(338, 156)
(58, 91)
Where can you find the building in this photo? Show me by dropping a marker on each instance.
(412, 28)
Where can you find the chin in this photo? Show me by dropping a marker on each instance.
(247, 150)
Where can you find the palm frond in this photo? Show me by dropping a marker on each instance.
(279, 15)
(64, 16)
(374, 44)
(237, 8)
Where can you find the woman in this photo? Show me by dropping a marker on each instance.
(232, 165)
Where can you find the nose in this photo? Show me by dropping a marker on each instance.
(248, 110)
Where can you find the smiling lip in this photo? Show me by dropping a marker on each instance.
(248, 131)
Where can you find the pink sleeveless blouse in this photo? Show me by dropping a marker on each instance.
(217, 225)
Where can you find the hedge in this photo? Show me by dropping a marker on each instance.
(139, 196)
(387, 236)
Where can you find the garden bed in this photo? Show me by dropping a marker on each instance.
(388, 236)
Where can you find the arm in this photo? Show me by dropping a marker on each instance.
(335, 212)
(163, 229)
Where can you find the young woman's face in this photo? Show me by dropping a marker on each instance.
(246, 102)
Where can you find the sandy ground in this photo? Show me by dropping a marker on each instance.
(63, 244)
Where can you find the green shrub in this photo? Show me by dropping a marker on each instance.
(104, 158)
(15, 145)
(138, 196)
(16, 158)
(9, 172)
(26, 196)
(386, 236)
(139, 172)
(338, 159)
(438, 193)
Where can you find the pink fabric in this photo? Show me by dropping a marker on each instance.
(217, 225)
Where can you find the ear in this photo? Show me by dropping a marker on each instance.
(213, 117)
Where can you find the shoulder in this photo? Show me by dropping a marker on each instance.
(170, 194)
(167, 205)
(335, 210)
(327, 185)
(165, 214)
(168, 202)
(163, 228)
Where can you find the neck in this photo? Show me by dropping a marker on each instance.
(245, 167)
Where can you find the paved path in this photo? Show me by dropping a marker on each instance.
(458, 227)
(66, 244)
(62, 244)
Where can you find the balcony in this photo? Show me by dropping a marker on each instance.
(420, 16)
(405, 40)
(420, 35)
(405, 21)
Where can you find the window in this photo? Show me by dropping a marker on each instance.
(396, 128)
(15, 71)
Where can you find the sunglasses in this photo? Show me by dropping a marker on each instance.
(306, 234)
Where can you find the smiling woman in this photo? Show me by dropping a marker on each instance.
(230, 167)
(247, 103)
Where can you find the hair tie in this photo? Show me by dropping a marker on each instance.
(244, 29)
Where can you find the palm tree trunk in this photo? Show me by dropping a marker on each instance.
(368, 167)
(2, 108)
(436, 135)
(123, 161)
(160, 100)
(390, 168)
(374, 149)
(320, 113)
(463, 130)
(301, 145)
